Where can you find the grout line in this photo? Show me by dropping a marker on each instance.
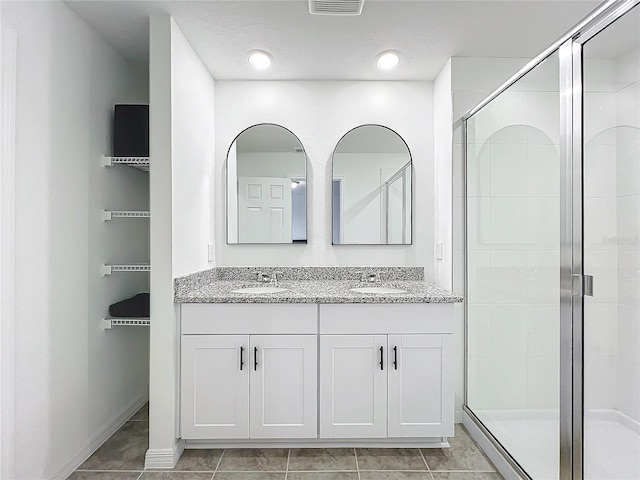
(465, 471)
(286, 473)
(171, 470)
(263, 471)
(218, 465)
(355, 452)
(306, 471)
(103, 470)
(414, 470)
(426, 463)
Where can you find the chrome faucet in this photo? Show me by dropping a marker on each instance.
(274, 277)
(262, 277)
(374, 277)
(369, 277)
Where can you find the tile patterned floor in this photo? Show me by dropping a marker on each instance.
(122, 458)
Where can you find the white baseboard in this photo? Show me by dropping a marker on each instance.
(97, 439)
(320, 443)
(164, 457)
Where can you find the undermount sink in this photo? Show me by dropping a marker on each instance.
(260, 290)
(377, 290)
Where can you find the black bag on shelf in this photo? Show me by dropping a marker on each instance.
(136, 306)
(131, 131)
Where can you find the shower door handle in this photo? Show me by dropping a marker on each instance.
(583, 285)
(587, 285)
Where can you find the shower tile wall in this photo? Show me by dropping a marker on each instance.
(600, 229)
(612, 250)
(628, 217)
(513, 211)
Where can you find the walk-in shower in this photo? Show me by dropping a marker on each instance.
(552, 201)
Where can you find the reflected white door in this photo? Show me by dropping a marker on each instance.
(215, 386)
(264, 210)
(353, 386)
(284, 392)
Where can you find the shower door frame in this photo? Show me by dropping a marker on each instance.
(569, 48)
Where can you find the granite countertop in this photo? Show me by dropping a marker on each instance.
(209, 287)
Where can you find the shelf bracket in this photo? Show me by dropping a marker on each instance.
(106, 270)
(109, 323)
(106, 215)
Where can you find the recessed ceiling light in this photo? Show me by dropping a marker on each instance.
(387, 60)
(259, 59)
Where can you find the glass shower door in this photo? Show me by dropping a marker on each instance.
(611, 250)
(513, 264)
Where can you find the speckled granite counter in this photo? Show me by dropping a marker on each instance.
(310, 285)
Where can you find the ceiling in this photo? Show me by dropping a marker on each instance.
(312, 47)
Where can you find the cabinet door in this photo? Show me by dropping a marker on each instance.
(284, 391)
(353, 386)
(214, 387)
(419, 390)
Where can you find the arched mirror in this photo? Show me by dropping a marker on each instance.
(371, 188)
(266, 187)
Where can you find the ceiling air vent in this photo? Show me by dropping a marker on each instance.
(335, 7)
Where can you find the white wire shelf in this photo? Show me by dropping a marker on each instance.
(111, 214)
(141, 163)
(127, 267)
(110, 322)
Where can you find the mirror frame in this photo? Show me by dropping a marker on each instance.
(412, 188)
(226, 188)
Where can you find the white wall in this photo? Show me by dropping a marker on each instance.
(444, 203)
(474, 78)
(163, 356)
(443, 120)
(193, 142)
(319, 114)
(72, 379)
(7, 246)
(182, 142)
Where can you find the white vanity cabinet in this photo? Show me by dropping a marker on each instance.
(214, 386)
(415, 367)
(251, 372)
(283, 386)
(242, 377)
(353, 386)
(381, 375)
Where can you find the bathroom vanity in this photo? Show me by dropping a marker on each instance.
(316, 364)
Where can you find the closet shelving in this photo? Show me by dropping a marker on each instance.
(108, 269)
(111, 214)
(139, 163)
(110, 322)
